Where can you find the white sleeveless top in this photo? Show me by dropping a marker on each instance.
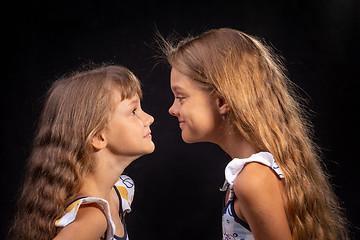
(233, 227)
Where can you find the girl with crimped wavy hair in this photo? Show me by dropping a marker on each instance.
(231, 89)
(92, 127)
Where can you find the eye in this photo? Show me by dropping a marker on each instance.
(180, 99)
(133, 112)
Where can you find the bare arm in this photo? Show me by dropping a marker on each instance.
(90, 224)
(259, 201)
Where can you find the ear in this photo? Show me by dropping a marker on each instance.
(223, 107)
(98, 141)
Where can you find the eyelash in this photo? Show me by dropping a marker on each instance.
(133, 112)
(179, 98)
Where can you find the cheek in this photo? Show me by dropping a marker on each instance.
(129, 131)
(203, 118)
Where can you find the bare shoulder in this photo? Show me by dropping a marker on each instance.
(90, 223)
(256, 179)
(258, 192)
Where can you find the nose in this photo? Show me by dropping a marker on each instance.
(148, 120)
(173, 109)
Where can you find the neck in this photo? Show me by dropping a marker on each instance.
(234, 144)
(107, 170)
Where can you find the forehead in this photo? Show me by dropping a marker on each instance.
(132, 100)
(118, 98)
(180, 82)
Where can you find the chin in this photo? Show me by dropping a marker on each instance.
(151, 149)
(189, 139)
(146, 151)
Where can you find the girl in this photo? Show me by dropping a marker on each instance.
(231, 90)
(92, 127)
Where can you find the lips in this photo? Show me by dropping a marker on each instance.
(148, 135)
(181, 124)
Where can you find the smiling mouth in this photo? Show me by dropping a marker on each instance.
(148, 135)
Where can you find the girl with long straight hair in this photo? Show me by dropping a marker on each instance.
(231, 89)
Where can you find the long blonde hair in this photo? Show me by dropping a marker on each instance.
(77, 107)
(264, 108)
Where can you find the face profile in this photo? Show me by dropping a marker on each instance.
(195, 109)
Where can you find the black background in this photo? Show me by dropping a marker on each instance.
(177, 194)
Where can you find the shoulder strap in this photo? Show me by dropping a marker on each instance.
(125, 190)
(72, 210)
(235, 166)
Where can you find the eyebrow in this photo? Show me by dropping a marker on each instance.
(177, 89)
(135, 101)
